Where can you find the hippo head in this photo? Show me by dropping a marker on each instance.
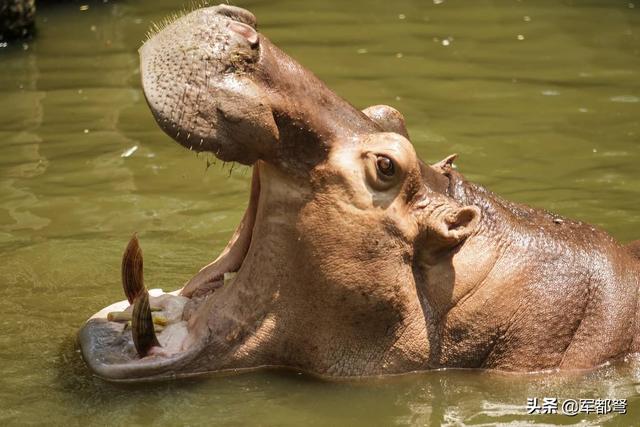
(324, 273)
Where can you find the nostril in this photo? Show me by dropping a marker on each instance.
(245, 31)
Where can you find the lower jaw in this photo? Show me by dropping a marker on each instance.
(108, 350)
(181, 329)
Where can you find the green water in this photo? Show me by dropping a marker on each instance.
(550, 118)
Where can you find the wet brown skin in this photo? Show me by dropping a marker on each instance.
(354, 258)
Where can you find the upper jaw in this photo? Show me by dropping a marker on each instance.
(214, 84)
(198, 79)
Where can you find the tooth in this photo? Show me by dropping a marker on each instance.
(119, 316)
(160, 321)
(229, 277)
(132, 278)
(144, 336)
(125, 316)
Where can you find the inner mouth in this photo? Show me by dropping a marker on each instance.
(229, 262)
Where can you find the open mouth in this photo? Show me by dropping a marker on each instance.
(197, 80)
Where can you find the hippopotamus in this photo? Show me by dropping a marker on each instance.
(354, 258)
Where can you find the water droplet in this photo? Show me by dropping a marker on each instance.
(84, 7)
(526, 18)
(129, 151)
(438, 1)
(583, 110)
(402, 16)
(86, 131)
(550, 93)
(625, 98)
(595, 150)
(361, 51)
(446, 42)
(520, 37)
(399, 55)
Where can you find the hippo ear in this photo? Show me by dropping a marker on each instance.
(452, 227)
(388, 118)
(445, 165)
(460, 224)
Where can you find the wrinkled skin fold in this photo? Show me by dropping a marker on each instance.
(354, 258)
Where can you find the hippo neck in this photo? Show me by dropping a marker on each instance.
(527, 229)
(451, 283)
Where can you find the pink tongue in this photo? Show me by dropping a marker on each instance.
(245, 31)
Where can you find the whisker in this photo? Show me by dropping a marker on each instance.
(160, 25)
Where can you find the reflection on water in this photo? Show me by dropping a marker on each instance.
(541, 99)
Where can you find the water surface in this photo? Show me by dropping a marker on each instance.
(540, 99)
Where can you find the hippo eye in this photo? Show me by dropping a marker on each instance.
(385, 166)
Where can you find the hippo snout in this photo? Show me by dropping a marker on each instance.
(197, 79)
